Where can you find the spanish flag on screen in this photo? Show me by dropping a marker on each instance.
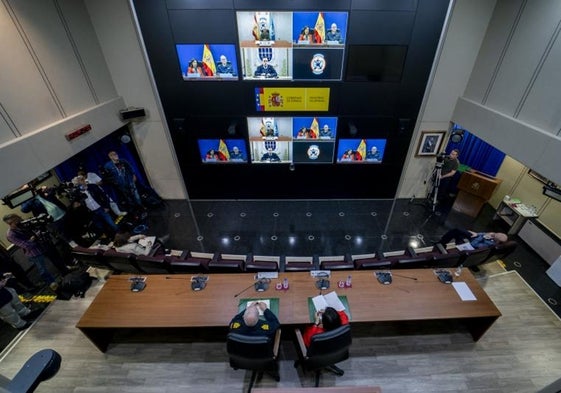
(255, 30)
(208, 61)
(223, 151)
(319, 29)
(314, 129)
(361, 151)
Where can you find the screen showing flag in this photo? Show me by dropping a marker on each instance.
(281, 46)
(222, 151)
(207, 61)
(366, 151)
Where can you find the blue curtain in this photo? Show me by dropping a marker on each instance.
(477, 154)
(93, 158)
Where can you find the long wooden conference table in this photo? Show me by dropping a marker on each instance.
(169, 302)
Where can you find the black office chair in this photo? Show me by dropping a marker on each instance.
(41, 366)
(502, 250)
(324, 351)
(90, 256)
(153, 264)
(256, 353)
(121, 262)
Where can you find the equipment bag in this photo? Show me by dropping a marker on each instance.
(74, 284)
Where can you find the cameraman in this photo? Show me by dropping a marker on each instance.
(34, 249)
(450, 166)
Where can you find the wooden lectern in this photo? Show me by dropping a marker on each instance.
(476, 188)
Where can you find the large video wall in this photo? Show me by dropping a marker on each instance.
(303, 100)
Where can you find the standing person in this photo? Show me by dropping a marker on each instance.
(248, 322)
(121, 175)
(97, 203)
(12, 310)
(34, 249)
(93, 178)
(449, 168)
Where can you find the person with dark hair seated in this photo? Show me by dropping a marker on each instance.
(476, 239)
(248, 322)
(326, 320)
(306, 36)
(194, 68)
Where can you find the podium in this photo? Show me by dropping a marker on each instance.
(476, 188)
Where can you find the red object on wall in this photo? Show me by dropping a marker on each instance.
(76, 133)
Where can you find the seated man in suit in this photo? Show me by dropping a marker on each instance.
(248, 322)
(334, 34)
(270, 156)
(224, 67)
(476, 239)
(265, 70)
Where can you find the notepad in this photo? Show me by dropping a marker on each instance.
(463, 291)
(328, 300)
(465, 247)
(266, 301)
(147, 242)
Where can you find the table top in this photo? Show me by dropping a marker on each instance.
(168, 301)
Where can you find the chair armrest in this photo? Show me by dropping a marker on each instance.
(277, 342)
(301, 345)
(440, 248)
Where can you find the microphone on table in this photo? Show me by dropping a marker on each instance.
(411, 278)
(260, 286)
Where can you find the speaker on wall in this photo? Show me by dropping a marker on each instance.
(404, 125)
(132, 113)
(352, 129)
(457, 136)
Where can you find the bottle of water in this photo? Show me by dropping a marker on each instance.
(349, 282)
(458, 270)
(285, 283)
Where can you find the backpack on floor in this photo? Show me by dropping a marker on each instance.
(74, 284)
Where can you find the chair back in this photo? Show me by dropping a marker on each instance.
(121, 262)
(89, 256)
(502, 250)
(153, 264)
(251, 352)
(328, 348)
(475, 257)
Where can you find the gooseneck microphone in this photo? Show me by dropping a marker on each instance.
(242, 291)
(399, 275)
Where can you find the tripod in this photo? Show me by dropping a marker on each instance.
(432, 195)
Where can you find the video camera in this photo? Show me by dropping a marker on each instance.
(440, 159)
(71, 191)
(36, 223)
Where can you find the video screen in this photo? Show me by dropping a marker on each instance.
(207, 61)
(313, 152)
(375, 63)
(222, 151)
(314, 128)
(292, 46)
(367, 151)
(270, 139)
(324, 28)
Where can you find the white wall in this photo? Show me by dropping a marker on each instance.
(55, 77)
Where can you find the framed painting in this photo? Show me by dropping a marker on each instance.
(430, 143)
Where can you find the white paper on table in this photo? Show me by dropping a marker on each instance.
(266, 301)
(463, 291)
(148, 241)
(329, 300)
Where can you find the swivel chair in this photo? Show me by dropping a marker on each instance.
(41, 366)
(324, 351)
(255, 353)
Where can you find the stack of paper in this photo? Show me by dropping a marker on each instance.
(329, 300)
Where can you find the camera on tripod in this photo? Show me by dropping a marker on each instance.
(38, 223)
(440, 160)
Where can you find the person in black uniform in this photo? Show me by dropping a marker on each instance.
(248, 322)
(265, 70)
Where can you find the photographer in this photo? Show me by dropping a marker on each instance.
(34, 248)
(97, 202)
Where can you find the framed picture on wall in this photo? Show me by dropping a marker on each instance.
(430, 143)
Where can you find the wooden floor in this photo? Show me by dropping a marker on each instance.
(521, 352)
